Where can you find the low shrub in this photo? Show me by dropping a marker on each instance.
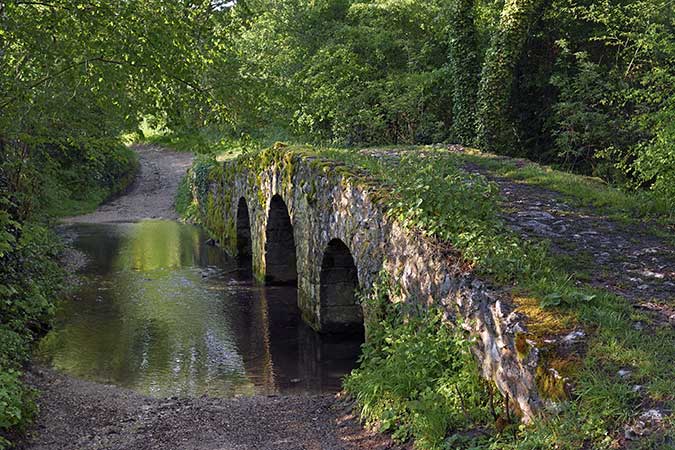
(30, 280)
(417, 377)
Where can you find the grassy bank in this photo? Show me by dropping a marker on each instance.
(414, 382)
(75, 187)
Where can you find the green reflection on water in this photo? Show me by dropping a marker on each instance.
(150, 320)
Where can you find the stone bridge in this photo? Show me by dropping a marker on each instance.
(298, 218)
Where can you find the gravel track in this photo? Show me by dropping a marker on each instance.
(77, 414)
(151, 196)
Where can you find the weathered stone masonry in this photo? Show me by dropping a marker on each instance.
(334, 218)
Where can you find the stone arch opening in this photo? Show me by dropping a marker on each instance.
(280, 260)
(340, 310)
(244, 247)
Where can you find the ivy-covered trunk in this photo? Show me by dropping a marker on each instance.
(496, 131)
(464, 68)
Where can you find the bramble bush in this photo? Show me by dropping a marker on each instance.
(29, 282)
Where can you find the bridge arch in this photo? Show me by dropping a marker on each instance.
(298, 204)
(280, 256)
(244, 248)
(340, 311)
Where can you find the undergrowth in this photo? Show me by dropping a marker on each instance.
(183, 199)
(30, 280)
(417, 377)
(73, 187)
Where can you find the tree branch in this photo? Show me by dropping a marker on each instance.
(104, 60)
(47, 78)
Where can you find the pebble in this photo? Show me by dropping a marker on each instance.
(624, 373)
(573, 337)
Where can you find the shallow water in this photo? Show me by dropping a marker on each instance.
(162, 313)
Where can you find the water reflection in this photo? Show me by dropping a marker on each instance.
(165, 314)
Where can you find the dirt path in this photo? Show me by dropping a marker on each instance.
(152, 194)
(76, 414)
(623, 258)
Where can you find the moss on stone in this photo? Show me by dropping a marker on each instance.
(312, 192)
(545, 327)
(216, 204)
(287, 167)
(543, 322)
(522, 346)
(554, 374)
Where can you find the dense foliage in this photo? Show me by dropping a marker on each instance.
(589, 85)
(582, 84)
(29, 281)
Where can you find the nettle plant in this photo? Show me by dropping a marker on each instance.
(417, 377)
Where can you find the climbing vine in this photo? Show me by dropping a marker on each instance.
(464, 70)
(496, 130)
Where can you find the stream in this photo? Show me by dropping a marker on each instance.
(159, 311)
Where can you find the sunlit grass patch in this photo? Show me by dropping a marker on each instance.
(579, 190)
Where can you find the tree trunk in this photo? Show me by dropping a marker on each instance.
(464, 69)
(496, 130)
